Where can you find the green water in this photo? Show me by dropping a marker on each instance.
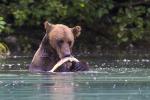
(108, 79)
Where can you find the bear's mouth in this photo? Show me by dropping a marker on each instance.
(65, 62)
(65, 57)
(62, 56)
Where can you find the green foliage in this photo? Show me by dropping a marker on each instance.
(2, 23)
(129, 25)
(30, 12)
(3, 49)
(103, 21)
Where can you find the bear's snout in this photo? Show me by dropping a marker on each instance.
(67, 54)
(65, 51)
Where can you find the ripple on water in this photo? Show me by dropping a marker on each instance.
(106, 79)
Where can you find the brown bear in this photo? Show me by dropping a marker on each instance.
(56, 44)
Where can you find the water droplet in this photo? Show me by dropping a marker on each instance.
(103, 64)
(125, 80)
(124, 60)
(87, 83)
(22, 81)
(55, 89)
(128, 60)
(117, 60)
(116, 66)
(96, 66)
(18, 64)
(9, 65)
(114, 86)
(92, 75)
(76, 85)
(6, 84)
(72, 83)
(143, 60)
(14, 56)
(1, 82)
(140, 90)
(94, 78)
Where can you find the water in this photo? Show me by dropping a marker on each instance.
(110, 78)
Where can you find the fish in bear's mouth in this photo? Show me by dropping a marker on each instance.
(64, 62)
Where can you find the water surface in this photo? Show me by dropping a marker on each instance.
(109, 78)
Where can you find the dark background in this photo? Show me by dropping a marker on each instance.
(106, 24)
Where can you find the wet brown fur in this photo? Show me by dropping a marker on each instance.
(49, 52)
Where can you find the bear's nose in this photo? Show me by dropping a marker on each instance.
(67, 55)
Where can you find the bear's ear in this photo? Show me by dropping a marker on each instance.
(48, 27)
(76, 31)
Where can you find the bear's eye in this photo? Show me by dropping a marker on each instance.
(69, 42)
(60, 42)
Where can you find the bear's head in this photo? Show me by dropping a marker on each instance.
(61, 38)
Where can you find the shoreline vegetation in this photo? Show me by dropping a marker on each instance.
(4, 50)
(106, 24)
